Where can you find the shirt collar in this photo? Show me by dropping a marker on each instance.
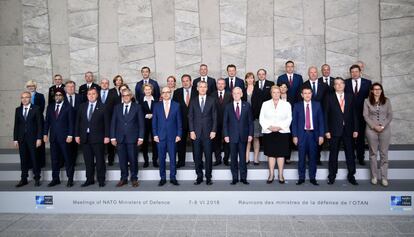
(150, 98)
(90, 103)
(128, 104)
(27, 106)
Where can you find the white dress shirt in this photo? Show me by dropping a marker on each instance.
(327, 80)
(353, 84)
(281, 116)
(60, 106)
(149, 101)
(124, 106)
(310, 110)
(314, 86)
(28, 108)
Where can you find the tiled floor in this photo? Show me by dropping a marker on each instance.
(73, 225)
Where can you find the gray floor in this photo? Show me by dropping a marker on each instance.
(199, 226)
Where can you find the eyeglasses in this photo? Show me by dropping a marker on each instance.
(166, 92)
(126, 95)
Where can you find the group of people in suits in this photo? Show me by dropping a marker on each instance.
(225, 117)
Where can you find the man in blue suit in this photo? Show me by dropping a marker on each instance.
(127, 133)
(238, 130)
(293, 80)
(167, 131)
(359, 87)
(307, 131)
(202, 123)
(232, 81)
(60, 121)
(139, 93)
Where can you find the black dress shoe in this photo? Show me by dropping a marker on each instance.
(162, 182)
(319, 162)
(87, 183)
(69, 183)
(217, 162)
(300, 181)
(282, 181)
(361, 162)
(198, 181)
(21, 183)
(53, 183)
(146, 164)
(102, 184)
(226, 162)
(331, 181)
(37, 183)
(209, 182)
(353, 181)
(243, 181)
(314, 182)
(174, 182)
(247, 162)
(155, 164)
(234, 182)
(269, 181)
(256, 163)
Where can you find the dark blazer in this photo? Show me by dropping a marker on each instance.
(39, 100)
(298, 120)
(78, 102)
(220, 106)
(202, 123)
(239, 83)
(335, 120)
(167, 129)
(147, 110)
(259, 96)
(361, 96)
(211, 83)
(321, 91)
(294, 90)
(83, 91)
(51, 94)
(113, 99)
(32, 125)
(128, 128)
(179, 98)
(331, 82)
(98, 125)
(238, 130)
(139, 94)
(62, 126)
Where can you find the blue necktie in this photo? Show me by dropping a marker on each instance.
(90, 112)
(202, 104)
(104, 96)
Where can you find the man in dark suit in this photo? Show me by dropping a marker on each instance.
(75, 101)
(92, 131)
(233, 81)
(202, 122)
(183, 97)
(58, 83)
(222, 98)
(319, 92)
(145, 71)
(127, 133)
(167, 131)
(27, 135)
(293, 80)
(39, 100)
(83, 89)
(238, 130)
(211, 82)
(60, 121)
(326, 77)
(104, 99)
(308, 130)
(341, 124)
(360, 88)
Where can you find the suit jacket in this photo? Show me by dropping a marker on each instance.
(139, 94)
(220, 106)
(238, 130)
(113, 99)
(211, 82)
(179, 98)
(62, 126)
(202, 123)
(31, 126)
(98, 125)
(239, 83)
(335, 120)
(39, 100)
(147, 110)
(127, 128)
(51, 94)
(298, 120)
(321, 91)
(331, 82)
(78, 102)
(259, 96)
(361, 96)
(294, 90)
(83, 91)
(167, 129)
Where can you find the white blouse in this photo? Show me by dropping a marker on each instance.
(281, 116)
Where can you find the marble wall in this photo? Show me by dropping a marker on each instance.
(39, 38)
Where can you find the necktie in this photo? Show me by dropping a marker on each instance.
(187, 97)
(32, 99)
(88, 86)
(231, 84)
(202, 104)
(342, 103)
(307, 118)
(57, 111)
(237, 111)
(71, 100)
(90, 112)
(261, 85)
(356, 87)
(326, 81)
(221, 97)
(25, 113)
(103, 96)
(126, 110)
(313, 89)
(167, 109)
(204, 79)
(290, 81)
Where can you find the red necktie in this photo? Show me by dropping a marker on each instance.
(238, 112)
(57, 111)
(307, 118)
